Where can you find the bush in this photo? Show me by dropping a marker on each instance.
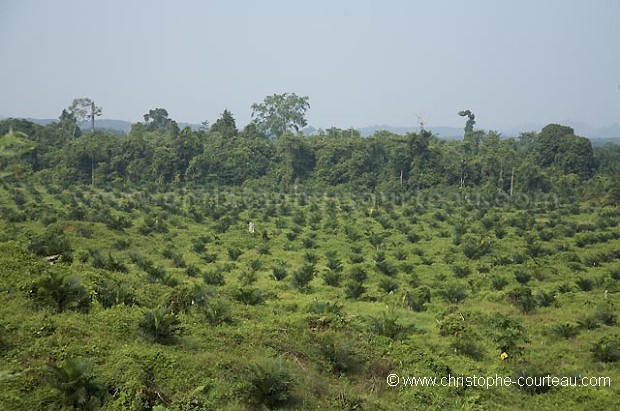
(303, 276)
(279, 271)
(388, 285)
(110, 293)
(249, 296)
(271, 382)
(217, 311)
(388, 325)
(522, 298)
(214, 277)
(62, 291)
(417, 299)
(53, 241)
(564, 330)
(607, 349)
(234, 253)
(76, 384)
(461, 271)
(585, 284)
(354, 289)
(544, 299)
(341, 354)
(498, 283)
(453, 292)
(332, 278)
(523, 277)
(605, 314)
(159, 326)
(508, 334)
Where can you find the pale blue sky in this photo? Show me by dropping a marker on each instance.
(360, 62)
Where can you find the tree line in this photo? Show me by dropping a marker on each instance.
(271, 152)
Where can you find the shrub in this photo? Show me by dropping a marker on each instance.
(303, 276)
(498, 283)
(332, 278)
(564, 330)
(357, 273)
(453, 292)
(76, 384)
(607, 349)
(160, 326)
(523, 277)
(271, 382)
(605, 314)
(522, 298)
(356, 258)
(279, 271)
(53, 241)
(468, 344)
(249, 296)
(333, 262)
(62, 291)
(388, 325)
(474, 247)
(544, 299)
(311, 258)
(110, 293)
(234, 253)
(507, 333)
(417, 299)
(182, 298)
(388, 285)
(192, 270)
(585, 284)
(247, 277)
(354, 289)
(323, 307)
(461, 271)
(387, 268)
(341, 354)
(214, 277)
(217, 311)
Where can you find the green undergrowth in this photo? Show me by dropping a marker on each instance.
(167, 302)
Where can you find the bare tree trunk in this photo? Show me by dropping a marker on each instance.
(512, 181)
(92, 117)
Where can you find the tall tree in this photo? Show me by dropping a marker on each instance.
(84, 109)
(280, 112)
(157, 119)
(225, 125)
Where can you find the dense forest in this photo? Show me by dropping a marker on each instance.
(268, 153)
(260, 268)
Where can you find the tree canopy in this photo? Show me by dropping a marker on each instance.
(280, 113)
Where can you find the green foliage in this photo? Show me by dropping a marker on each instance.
(509, 334)
(249, 296)
(340, 353)
(76, 384)
(53, 241)
(389, 325)
(62, 291)
(217, 311)
(302, 276)
(522, 297)
(160, 326)
(280, 112)
(270, 383)
(607, 349)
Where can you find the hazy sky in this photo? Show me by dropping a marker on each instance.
(360, 62)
